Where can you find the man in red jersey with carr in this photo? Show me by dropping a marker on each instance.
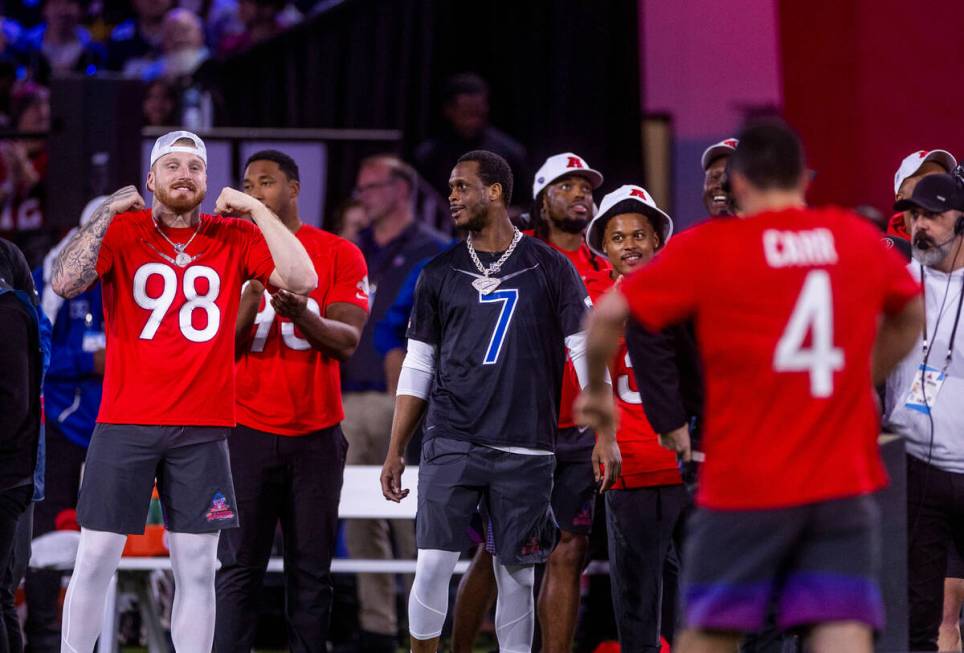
(288, 451)
(171, 280)
(787, 305)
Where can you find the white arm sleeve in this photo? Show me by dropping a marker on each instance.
(576, 344)
(418, 370)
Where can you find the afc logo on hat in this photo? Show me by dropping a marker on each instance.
(731, 142)
(638, 192)
(561, 165)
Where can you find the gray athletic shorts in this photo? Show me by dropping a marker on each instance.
(814, 563)
(192, 469)
(455, 476)
(574, 495)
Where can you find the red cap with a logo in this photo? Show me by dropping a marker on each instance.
(725, 147)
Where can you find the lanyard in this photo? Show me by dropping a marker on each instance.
(957, 318)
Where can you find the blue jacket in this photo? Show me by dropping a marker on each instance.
(390, 330)
(71, 390)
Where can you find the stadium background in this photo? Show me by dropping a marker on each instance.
(639, 87)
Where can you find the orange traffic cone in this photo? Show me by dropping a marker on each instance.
(151, 543)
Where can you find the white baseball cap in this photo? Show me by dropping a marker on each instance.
(637, 194)
(725, 147)
(912, 163)
(560, 165)
(165, 145)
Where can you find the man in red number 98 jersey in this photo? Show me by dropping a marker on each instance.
(171, 280)
(288, 451)
(788, 305)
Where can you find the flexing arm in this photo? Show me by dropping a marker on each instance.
(337, 334)
(896, 337)
(293, 269)
(76, 267)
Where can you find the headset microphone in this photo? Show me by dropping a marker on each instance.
(958, 175)
(924, 245)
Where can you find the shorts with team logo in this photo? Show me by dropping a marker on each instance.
(192, 469)
(456, 476)
(574, 485)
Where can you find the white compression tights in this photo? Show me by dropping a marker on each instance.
(193, 559)
(97, 558)
(429, 599)
(514, 609)
(428, 603)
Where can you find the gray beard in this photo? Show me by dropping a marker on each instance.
(930, 257)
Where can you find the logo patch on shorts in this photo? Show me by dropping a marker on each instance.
(531, 547)
(219, 508)
(584, 516)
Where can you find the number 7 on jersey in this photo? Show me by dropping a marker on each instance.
(508, 298)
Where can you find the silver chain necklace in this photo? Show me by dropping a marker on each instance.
(181, 259)
(486, 283)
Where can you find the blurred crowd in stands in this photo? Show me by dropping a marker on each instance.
(146, 39)
(165, 43)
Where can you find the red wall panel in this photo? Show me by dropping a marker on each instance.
(866, 82)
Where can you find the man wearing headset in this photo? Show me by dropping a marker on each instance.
(921, 401)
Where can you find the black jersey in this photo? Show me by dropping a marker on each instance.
(501, 355)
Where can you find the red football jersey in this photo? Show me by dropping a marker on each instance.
(170, 329)
(589, 266)
(645, 462)
(285, 386)
(786, 306)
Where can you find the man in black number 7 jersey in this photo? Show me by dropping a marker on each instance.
(492, 321)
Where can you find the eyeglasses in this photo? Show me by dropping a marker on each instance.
(359, 190)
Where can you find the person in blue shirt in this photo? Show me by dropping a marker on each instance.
(389, 334)
(72, 391)
(60, 44)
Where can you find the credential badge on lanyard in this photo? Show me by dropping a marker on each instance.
(928, 380)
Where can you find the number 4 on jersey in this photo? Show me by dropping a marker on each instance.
(813, 313)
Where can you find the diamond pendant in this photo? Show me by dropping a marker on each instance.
(182, 259)
(486, 285)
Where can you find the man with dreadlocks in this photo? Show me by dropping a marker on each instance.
(562, 209)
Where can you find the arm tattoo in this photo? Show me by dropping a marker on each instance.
(76, 267)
